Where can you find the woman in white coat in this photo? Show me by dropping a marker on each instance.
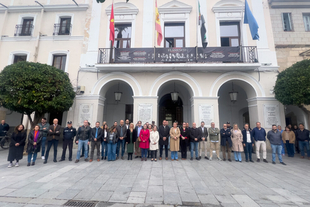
(154, 137)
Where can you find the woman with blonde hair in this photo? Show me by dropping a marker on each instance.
(130, 140)
(175, 141)
(154, 138)
(237, 139)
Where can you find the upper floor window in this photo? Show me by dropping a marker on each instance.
(307, 21)
(122, 36)
(59, 61)
(18, 58)
(174, 35)
(230, 34)
(24, 29)
(64, 27)
(287, 22)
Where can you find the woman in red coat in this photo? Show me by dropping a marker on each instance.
(144, 139)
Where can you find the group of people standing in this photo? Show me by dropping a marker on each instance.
(145, 140)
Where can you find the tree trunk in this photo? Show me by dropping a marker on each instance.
(37, 118)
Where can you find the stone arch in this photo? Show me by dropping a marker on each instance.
(188, 80)
(130, 80)
(256, 90)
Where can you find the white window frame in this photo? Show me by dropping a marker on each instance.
(12, 55)
(21, 18)
(59, 52)
(290, 21)
(307, 24)
(65, 15)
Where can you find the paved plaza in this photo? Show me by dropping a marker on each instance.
(163, 183)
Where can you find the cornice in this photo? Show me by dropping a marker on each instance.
(47, 8)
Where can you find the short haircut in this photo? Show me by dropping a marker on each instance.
(257, 122)
(202, 122)
(301, 124)
(97, 122)
(44, 118)
(274, 125)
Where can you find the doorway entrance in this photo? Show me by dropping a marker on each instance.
(170, 110)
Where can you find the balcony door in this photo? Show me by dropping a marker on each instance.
(26, 27)
(65, 25)
(174, 35)
(122, 36)
(230, 34)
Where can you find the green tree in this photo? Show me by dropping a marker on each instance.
(293, 84)
(28, 87)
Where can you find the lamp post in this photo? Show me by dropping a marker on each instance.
(233, 94)
(118, 95)
(174, 95)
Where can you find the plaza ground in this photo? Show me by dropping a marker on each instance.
(163, 183)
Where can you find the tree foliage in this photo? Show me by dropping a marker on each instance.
(27, 87)
(293, 84)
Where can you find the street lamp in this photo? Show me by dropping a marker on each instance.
(118, 95)
(233, 94)
(174, 95)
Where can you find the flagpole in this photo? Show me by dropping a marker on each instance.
(241, 36)
(197, 27)
(155, 44)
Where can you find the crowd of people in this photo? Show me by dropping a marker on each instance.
(145, 140)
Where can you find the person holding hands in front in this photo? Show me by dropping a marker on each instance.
(174, 141)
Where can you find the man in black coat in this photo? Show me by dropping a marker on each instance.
(203, 143)
(68, 134)
(226, 142)
(164, 133)
(53, 137)
(195, 137)
(97, 134)
(121, 131)
(4, 127)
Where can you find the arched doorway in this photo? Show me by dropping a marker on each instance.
(295, 115)
(118, 101)
(235, 111)
(180, 109)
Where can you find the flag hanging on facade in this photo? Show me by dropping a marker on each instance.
(199, 18)
(159, 34)
(203, 32)
(112, 26)
(250, 19)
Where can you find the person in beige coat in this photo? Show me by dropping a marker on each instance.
(174, 141)
(237, 139)
(289, 138)
(154, 138)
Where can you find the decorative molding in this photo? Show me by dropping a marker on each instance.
(59, 52)
(47, 8)
(261, 99)
(90, 97)
(175, 7)
(145, 97)
(207, 98)
(12, 54)
(122, 8)
(225, 6)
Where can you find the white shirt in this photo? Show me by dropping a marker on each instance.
(248, 137)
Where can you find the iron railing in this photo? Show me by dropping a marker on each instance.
(23, 30)
(62, 29)
(242, 54)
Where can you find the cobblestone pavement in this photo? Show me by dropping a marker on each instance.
(164, 183)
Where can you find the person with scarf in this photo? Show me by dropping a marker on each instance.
(34, 144)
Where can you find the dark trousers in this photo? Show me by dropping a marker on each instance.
(154, 153)
(93, 146)
(53, 142)
(289, 148)
(184, 144)
(130, 156)
(161, 150)
(67, 143)
(248, 151)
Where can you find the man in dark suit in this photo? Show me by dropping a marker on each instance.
(164, 133)
(203, 143)
(195, 137)
(53, 137)
(121, 133)
(137, 143)
(96, 138)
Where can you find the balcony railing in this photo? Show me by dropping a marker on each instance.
(242, 54)
(62, 29)
(23, 30)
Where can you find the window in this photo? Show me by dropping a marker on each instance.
(59, 61)
(122, 36)
(18, 58)
(27, 26)
(65, 26)
(230, 34)
(287, 22)
(174, 35)
(307, 22)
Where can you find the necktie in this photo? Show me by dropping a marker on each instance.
(121, 131)
(96, 132)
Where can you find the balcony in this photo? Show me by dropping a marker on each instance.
(62, 29)
(23, 30)
(190, 58)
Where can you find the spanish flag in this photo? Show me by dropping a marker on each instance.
(112, 26)
(159, 34)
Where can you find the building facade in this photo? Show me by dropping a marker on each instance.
(230, 80)
(291, 27)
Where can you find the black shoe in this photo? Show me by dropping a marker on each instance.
(70, 160)
(258, 160)
(282, 163)
(247, 160)
(206, 157)
(273, 162)
(192, 158)
(117, 158)
(76, 161)
(33, 163)
(251, 161)
(136, 157)
(105, 158)
(197, 158)
(28, 164)
(86, 160)
(265, 161)
(45, 161)
(224, 159)
(101, 158)
(240, 161)
(82, 155)
(54, 160)
(61, 160)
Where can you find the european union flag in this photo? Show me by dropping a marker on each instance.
(250, 19)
